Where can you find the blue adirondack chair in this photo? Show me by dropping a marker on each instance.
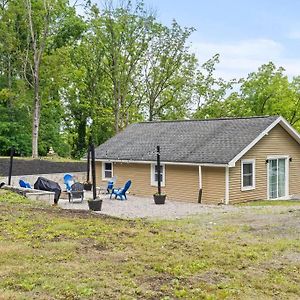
(24, 184)
(121, 193)
(68, 181)
(110, 184)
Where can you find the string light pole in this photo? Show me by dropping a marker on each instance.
(159, 198)
(158, 170)
(12, 152)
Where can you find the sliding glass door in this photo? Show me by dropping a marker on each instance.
(277, 178)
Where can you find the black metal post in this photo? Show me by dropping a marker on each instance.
(158, 171)
(12, 152)
(93, 170)
(88, 164)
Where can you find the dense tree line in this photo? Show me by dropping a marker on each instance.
(67, 80)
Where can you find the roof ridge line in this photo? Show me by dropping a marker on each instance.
(210, 119)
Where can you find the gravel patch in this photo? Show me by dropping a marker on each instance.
(142, 207)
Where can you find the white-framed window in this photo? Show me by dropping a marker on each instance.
(107, 170)
(154, 174)
(247, 174)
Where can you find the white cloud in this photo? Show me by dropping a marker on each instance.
(238, 59)
(294, 35)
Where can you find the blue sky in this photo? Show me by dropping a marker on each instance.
(245, 33)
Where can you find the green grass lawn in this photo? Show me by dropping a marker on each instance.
(48, 253)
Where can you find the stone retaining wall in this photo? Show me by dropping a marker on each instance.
(32, 193)
(39, 166)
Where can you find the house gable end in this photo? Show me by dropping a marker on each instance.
(280, 120)
(278, 143)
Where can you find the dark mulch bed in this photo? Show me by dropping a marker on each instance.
(39, 166)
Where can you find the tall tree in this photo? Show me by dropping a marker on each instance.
(38, 28)
(168, 68)
(210, 92)
(268, 91)
(51, 24)
(123, 34)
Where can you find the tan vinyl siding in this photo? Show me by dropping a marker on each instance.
(181, 182)
(277, 142)
(213, 185)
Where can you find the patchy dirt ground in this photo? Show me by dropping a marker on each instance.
(243, 253)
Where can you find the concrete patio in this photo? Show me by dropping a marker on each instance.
(144, 207)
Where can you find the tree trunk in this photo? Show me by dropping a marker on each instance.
(36, 114)
(116, 110)
(9, 75)
(151, 109)
(38, 48)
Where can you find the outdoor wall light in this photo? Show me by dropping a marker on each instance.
(290, 159)
(267, 161)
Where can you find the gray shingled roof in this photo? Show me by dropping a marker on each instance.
(215, 141)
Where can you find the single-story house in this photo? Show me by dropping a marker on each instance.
(210, 161)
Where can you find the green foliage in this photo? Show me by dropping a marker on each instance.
(116, 66)
(265, 92)
(16, 78)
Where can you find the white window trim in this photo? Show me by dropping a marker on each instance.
(103, 171)
(247, 161)
(152, 172)
(287, 176)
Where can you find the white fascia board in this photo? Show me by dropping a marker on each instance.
(280, 120)
(255, 141)
(163, 162)
(292, 131)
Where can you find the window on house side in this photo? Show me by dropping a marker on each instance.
(107, 170)
(154, 175)
(248, 175)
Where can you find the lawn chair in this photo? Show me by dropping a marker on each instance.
(76, 192)
(68, 181)
(110, 184)
(121, 192)
(24, 184)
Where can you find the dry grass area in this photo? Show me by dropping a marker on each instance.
(48, 253)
